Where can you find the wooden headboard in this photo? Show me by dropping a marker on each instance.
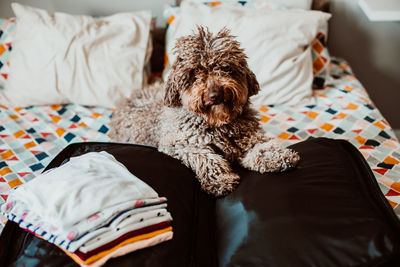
(322, 5)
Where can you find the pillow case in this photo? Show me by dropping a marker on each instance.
(320, 57)
(60, 58)
(7, 32)
(280, 57)
(319, 48)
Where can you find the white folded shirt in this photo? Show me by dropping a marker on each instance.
(84, 186)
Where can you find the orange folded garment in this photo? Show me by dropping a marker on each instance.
(145, 243)
(104, 253)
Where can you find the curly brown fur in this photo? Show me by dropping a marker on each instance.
(204, 118)
(208, 64)
(136, 119)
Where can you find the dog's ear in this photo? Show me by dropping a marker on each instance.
(172, 96)
(181, 70)
(252, 83)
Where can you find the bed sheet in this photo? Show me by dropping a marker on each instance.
(31, 137)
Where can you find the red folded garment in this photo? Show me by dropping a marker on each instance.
(151, 228)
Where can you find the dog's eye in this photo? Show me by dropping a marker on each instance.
(194, 71)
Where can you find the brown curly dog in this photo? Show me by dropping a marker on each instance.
(203, 117)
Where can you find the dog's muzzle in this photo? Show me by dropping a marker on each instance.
(215, 95)
(215, 98)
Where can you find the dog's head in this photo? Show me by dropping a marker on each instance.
(210, 77)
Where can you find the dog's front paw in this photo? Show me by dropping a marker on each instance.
(221, 185)
(288, 159)
(270, 157)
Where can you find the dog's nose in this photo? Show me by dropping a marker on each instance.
(215, 96)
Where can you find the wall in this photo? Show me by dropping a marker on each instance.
(373, 51)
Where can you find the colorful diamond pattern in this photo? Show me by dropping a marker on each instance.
(320, 57)
(7, 32)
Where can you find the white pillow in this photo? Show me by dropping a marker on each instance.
(62, 58)
(303, 4)
(277, 43)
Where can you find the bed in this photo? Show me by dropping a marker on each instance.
(32, 136)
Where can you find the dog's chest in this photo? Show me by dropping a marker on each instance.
(182, 129)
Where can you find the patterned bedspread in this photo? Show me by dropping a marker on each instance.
(31, 137)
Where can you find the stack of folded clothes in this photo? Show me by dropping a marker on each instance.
(92, 207)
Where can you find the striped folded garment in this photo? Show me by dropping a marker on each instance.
(92, 207)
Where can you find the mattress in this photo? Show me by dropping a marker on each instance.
(31, 137)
